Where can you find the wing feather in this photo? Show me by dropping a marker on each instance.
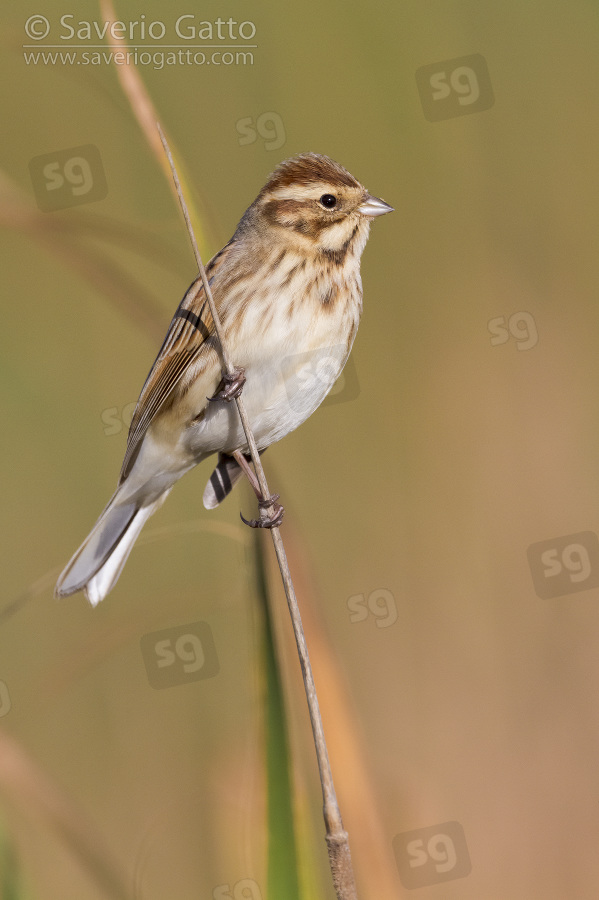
(188, 335)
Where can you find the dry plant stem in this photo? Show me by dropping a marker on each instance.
(336, 837)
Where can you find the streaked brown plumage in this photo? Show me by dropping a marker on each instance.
(286, 286)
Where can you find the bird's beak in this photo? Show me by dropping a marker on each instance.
(373, 206)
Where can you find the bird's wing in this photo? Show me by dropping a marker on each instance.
(187, 337)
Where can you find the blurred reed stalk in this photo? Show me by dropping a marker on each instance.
(30, 789)
(337, 838)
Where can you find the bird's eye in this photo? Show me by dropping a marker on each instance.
(328, 201)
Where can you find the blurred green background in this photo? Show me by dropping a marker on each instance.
(411, 499)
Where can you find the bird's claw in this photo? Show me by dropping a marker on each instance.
(230, 386)
(267, 521)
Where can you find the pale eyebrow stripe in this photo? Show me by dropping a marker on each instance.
(302, 192)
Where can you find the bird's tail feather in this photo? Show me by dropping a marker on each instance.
(222, 481)
(99, 561)
(224, 478)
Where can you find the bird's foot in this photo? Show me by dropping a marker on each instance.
(267, 520)
(230, 386)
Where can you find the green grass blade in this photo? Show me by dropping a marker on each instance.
(11, 887)
(283, 877)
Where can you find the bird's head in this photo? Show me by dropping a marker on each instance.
(315, 203)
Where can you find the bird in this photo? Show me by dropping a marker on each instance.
(288, 292)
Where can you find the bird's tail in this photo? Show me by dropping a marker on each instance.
(224, 478)
(99, 561)
(222, 481)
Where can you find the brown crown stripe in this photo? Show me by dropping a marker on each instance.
(309, 168)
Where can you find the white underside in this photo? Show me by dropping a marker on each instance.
(278, 399)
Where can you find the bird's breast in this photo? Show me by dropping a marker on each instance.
(292, 333)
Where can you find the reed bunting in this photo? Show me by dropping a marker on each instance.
(287, 288)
